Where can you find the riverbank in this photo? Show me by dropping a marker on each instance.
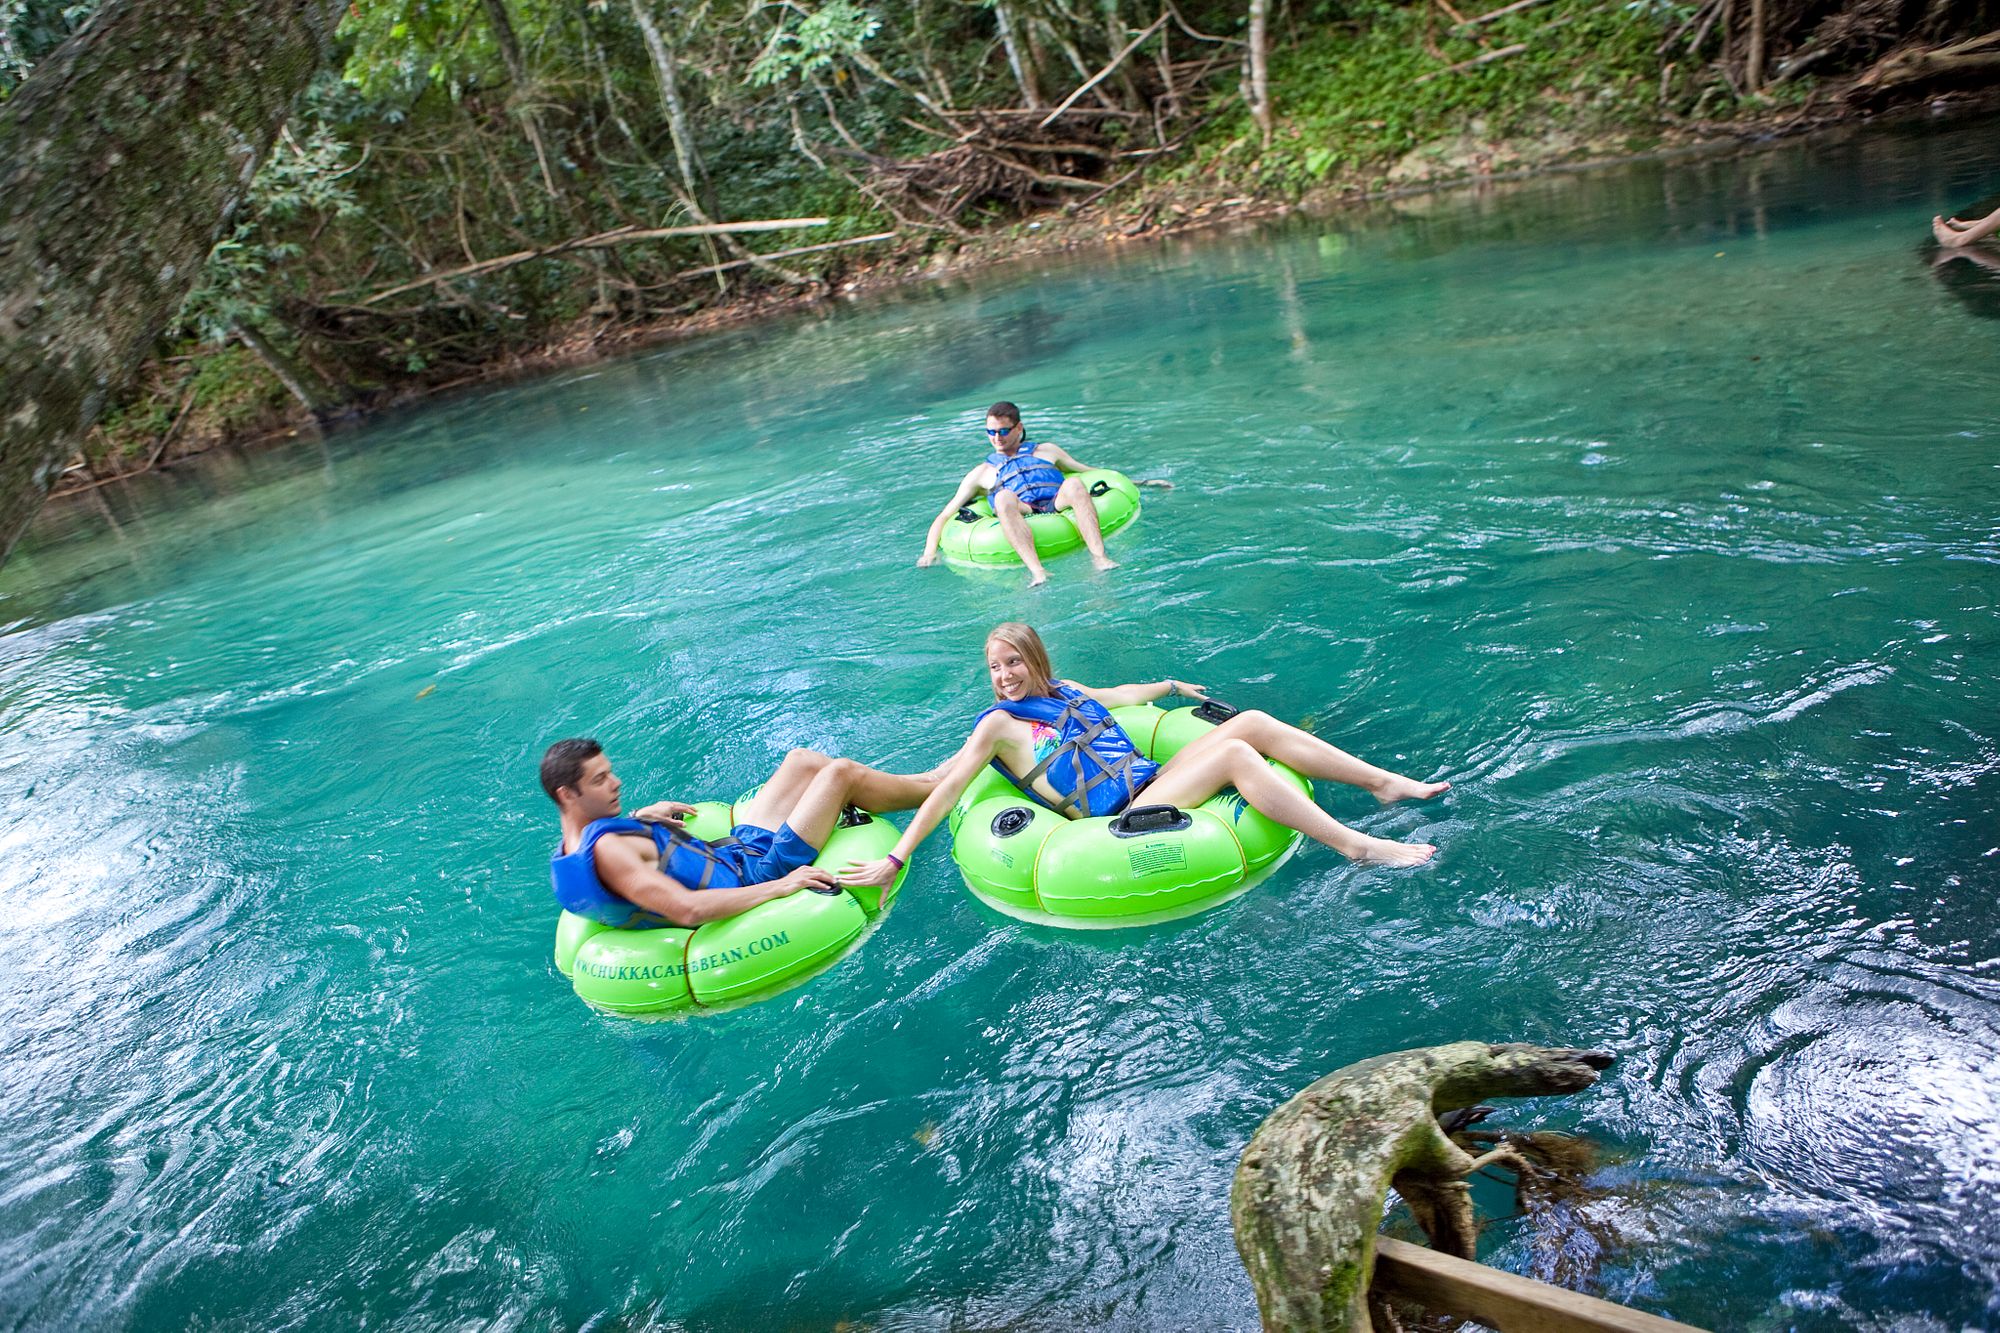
(1178, 203)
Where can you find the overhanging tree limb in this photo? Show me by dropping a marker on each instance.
(602, 240)
(123, 157)
(786, 254)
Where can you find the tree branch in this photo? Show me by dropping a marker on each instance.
(1104, 73)
(602, 240)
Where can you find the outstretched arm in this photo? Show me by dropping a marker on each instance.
(1120, 696)
(631, 878)
(972, 756)
(967, 489)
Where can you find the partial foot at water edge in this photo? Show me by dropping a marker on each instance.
(1399, 788)
(1383, 852)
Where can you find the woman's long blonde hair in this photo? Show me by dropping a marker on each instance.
(1023, 639)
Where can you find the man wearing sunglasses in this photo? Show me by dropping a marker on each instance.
(1023, 477)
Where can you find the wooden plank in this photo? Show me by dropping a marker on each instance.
(1500, 1300)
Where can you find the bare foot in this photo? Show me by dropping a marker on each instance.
(1946, 233)
(1103, 562)
(1400, 788)
(1382, 852)
(1037, 577)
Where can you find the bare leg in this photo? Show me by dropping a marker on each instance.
(781, 791)
(808, 778)
(1075, 497)
(1014, 526)
(1233, 762)
(1311, 756)
(842, 783)
(1952, 232)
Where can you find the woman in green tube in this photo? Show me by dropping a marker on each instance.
(1055, 740)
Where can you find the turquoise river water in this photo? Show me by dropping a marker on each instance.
(1656, 509)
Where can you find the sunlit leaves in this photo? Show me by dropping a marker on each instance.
(802, 45)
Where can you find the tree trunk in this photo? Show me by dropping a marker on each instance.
(666, 72)
(1753, 60)
(123, 157)
(302, 383)
(1115, 37)
(502, 25)
(1309, 1191)
(1260, 67)
(1018, 60)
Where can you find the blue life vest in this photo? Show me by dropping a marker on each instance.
(1095, 767)
(1034, 480)
(683, 857)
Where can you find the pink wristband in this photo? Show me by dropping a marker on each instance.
(898, 860)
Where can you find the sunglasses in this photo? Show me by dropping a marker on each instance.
(1008, 430)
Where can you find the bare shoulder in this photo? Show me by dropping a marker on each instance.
(993, 724)
(991, 731)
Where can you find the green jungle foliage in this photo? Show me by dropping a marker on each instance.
(1362, 93)
(397, 233)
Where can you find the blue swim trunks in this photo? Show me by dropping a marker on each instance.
(765, 856)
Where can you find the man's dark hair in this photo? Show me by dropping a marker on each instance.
(1006, 412)
(562, 763)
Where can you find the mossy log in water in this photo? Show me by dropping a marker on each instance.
(121, 162)
(1311, 1185)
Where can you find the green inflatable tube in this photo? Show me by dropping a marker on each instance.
(770, 948)
(974, 537)
(1155, 863)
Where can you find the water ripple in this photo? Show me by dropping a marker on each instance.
(1658, 558)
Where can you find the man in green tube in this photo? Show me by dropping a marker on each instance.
(646, 870)
(1024, 477)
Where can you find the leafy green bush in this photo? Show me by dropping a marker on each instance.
(1353, 97)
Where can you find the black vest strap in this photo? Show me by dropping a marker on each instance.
(700, 847)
